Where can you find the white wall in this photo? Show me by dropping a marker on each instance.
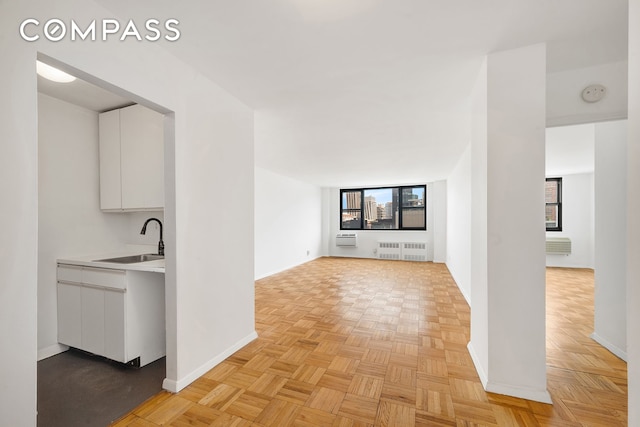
(440, 221)
(214, 280)
(368, 239)
(565, 106)
(515, 304)
(479, 287)
(209, 292)
(459, 223)
(327, 217)
(633, 217)
(69, 218)
(515, 204)
(577, 221)
(610, 322)
(288, 222)
(19, 215)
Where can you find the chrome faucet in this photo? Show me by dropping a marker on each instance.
(160, 243)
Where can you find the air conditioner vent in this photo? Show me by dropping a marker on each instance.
(347, 240)
(558, 246)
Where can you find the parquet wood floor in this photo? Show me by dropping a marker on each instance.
(354, 342)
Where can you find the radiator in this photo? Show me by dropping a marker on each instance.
(347, 240)
(558, 246)
(406, 251)
(414, 251)
(389, 250)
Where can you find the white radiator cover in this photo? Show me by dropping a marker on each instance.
(414, 251)
(389, 250)
(558, 246)
(406, 251)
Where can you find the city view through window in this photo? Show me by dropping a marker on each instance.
(392, 208)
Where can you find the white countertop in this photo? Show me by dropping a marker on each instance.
(156, 266)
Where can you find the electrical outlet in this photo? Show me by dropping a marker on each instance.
(308, 252)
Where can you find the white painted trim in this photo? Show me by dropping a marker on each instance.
(466, 297)
(536, 395)
(175, 386)
(617, 351)
(52, 350)
(476, 362)
(462, 291)
(508, 390)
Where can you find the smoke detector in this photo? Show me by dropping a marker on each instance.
(593, 93)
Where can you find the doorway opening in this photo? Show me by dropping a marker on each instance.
(586, 287)
(78, 314)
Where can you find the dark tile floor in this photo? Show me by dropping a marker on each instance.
(79, 389)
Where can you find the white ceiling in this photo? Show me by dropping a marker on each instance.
(371, 92)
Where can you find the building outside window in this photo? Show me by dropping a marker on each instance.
(351, 202)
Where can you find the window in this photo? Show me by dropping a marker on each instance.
(351, 207)
(553, 200)
(388, 208)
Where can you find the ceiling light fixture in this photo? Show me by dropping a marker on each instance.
(593, 93)
(53, 74)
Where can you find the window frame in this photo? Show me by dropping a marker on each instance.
(360, 209)
(557, 203)
(400, 189)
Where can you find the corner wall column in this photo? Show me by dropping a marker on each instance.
(508, 228)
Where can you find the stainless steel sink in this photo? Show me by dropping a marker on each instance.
(131, 259)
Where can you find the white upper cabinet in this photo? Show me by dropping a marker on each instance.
(131, 159)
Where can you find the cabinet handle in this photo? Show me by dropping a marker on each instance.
(88, 285)
(66, 282)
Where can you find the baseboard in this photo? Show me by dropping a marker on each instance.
(506, 389)
(464, 294)
(175, 386)
(52, 350)
(561, 265)
(462, 291)
(617, 351)
(535, 395)
(476, 362)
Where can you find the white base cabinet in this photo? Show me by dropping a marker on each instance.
(69, 314)
(118, 314)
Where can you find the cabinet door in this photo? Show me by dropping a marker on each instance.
(93, 320)
(110, 184)
(142, 158)
(69, 314)
(114, 325)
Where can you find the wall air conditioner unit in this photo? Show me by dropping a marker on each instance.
(347, 240)
(558, 246)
